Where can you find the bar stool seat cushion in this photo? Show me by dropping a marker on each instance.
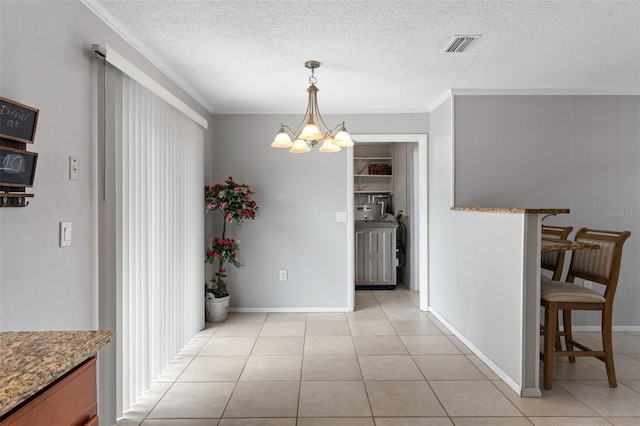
(556, 291)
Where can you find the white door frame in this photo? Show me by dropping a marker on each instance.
(420, 207)
(413, 219)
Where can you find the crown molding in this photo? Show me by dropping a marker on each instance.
(141, 48)
(543, 92)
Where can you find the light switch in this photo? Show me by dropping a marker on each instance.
(65, 234)
(74, 168)
(341, 216)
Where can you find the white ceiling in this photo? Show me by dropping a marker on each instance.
(379, 56)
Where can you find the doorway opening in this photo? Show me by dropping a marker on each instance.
(403, 195)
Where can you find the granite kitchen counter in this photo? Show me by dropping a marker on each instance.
(565, 245)
(511, 210)
(32, 360)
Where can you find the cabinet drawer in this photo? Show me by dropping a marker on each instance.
(71, 401)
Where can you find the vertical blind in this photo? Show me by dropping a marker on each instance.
(157, 182)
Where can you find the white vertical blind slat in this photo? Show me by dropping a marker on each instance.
(162, 224)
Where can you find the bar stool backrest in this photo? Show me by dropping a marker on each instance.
(554, 260)
(600, 266)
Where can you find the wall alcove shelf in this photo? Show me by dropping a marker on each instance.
(368, 182)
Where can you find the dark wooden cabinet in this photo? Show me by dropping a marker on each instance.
(72, 400)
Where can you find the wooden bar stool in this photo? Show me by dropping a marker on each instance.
(600, 266)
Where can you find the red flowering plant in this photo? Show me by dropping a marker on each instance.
(234, 201)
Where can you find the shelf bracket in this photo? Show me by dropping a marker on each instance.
(14, 200)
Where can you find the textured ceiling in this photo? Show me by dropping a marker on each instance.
(380, 56)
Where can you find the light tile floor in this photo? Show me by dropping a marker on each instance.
(386, 364)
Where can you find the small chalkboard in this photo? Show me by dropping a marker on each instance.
(17, 167)
(17, 121)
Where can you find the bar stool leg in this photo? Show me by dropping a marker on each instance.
(568, 336)
(607, 346)
(550, 326)
(558, 335)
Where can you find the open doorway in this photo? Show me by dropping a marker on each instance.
(413, 204)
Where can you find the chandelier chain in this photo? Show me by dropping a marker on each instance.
(312, 80)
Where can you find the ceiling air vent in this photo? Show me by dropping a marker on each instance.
(459, 44)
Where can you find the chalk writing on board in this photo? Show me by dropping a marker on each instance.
(15, 118)
(12, 163)
(17, 167)
(17, 121)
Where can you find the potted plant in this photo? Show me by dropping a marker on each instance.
(234, 202)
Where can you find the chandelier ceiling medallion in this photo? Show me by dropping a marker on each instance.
(312, 130)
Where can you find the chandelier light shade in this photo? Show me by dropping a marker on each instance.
(312, 130)
(282, 139)
(299, 147)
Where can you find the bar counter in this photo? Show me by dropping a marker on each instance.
(510, 210)
(493, 298)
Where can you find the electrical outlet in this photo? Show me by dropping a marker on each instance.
(283, 274)
(74, 168)
(588, 284)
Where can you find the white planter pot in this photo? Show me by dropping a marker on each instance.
(216, 308)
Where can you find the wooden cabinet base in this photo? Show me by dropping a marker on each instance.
(71, 401)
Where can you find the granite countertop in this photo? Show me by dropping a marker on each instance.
(32, 360)
(511, 210)
(554, 244)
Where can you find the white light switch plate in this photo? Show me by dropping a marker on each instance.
(341, 216)
(65, 234)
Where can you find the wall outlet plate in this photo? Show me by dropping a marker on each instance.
(283, 274)
(74, 168)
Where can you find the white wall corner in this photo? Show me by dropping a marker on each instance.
(440, 100)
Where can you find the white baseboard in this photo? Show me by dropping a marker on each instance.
(615, 328)
(314, 309)
(525, 392)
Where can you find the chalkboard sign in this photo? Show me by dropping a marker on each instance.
(17, 121)
(17, 167)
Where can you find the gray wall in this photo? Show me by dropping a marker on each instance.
(45, 62)
(579, 152)
(298, 196)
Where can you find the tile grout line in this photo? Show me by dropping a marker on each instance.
(235, 386)
(174, 380)
(304, 343)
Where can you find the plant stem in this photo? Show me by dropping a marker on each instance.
(224, 230)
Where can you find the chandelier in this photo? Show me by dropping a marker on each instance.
(312, 130)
